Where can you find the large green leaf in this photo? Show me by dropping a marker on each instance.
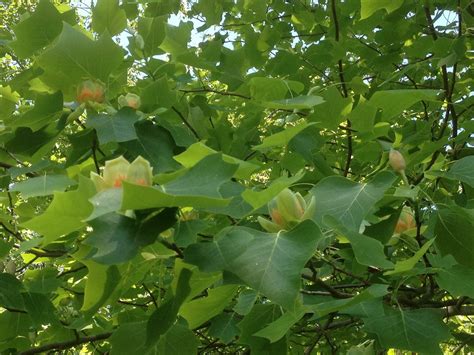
(75, 57)
(460, 170)
(200, 310)
(10, 292)
(100, 283)
(198, 187)
(453, 230)
(418, 330)
(347, 200)
(37, 30)
(118, 127)
(155, 144)
(107, 15)
(42, 185)
(369, 7)
(117, 238)
(199, 150)
(65, 214)
(457, 280)
(258, 198)
(261, 316)
(295, 103)
(367, 251)
(333, 110)
(47, 109)
(269, 263)
(394, 102)
(409, 264)
(282, 138)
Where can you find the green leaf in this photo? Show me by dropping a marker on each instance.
(40, 309)
(158, 94)
(152, 31)
(65, 214)
(418, 330)
(282, 138)
(178, 338)
(118, 127)
(394, 102)
(198, 282)
(224, 327)
(42, 185)
(295, 103)
(198, 187)
(117, 238)
(458, 280)
(37, 30)
(278, 328)
(408, 264)
(48, 108)
(269, 263)
(74, 57)
(155, 144)
(163, 318)
(177, 38)
(107, 15)
(333, 110)
(258, 199)
(453, 231)
(10, 289)
(369, 7)
(199, 150)
(101, 281)
(260, 316)
(269, 89)
(200, 310)
(321, 309)
(348, 201)
(460, 170)
(367, 251)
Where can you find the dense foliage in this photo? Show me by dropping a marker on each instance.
(236, 175)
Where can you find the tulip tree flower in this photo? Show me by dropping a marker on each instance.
(118, 170)
(129, 100)
(287, 209)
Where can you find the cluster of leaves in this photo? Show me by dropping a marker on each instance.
(232, 103)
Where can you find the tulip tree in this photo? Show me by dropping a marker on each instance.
(235, 176)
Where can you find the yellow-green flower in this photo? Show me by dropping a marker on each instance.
(286, 210)
(118, 170)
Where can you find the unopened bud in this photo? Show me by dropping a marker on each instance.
(396, 160)
(286, 210)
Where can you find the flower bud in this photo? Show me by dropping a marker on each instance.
(119, 169)
(90, 91)
(129, 100)
(396, 160)
(286, 210)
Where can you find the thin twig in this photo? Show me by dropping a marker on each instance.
(183, 119)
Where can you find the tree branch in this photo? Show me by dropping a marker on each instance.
(66, 344)
(183, 119)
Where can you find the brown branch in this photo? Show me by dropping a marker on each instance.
(151, 295)
(224, 93)
(66, 344)
(183, 119)
(344, 90)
